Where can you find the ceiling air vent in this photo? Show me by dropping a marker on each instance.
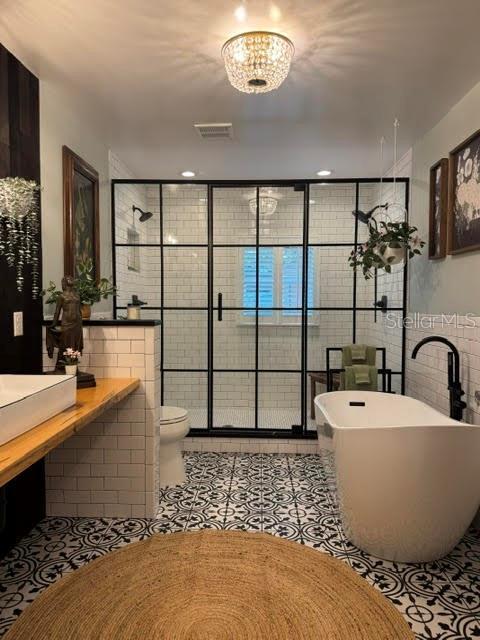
(215, 131)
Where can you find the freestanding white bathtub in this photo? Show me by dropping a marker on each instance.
(408, 477)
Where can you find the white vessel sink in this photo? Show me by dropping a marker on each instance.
(26, 401)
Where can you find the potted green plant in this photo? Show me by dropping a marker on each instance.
(388, 244)
(88, 288)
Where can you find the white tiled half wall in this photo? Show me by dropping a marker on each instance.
(110, 468)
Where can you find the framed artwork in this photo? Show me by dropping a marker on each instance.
(80, 214)
(437, 234)
(464, 196)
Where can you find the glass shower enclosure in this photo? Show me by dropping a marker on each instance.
(251, 283)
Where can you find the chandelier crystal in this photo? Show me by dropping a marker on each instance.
(257, 61)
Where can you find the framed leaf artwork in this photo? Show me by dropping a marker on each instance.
(81, 214)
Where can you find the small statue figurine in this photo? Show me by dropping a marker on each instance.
(69, 332)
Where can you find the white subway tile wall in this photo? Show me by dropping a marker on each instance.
(184, 213)
(137, 268)
(110, 468)
(188, 389)
(234, 337)
(427, 375)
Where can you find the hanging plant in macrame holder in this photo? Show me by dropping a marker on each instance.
(20, 228)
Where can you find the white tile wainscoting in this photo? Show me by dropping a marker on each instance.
(110, 468)
(426, 377)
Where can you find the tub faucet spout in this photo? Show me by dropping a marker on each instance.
(457, 405)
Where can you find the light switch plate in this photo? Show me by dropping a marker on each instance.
(17, 323)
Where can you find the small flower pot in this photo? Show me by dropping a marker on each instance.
(394, 255)
(86, 311)
(71, 369)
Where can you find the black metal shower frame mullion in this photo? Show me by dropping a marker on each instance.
(225, 308)
(210, 325)
(226, 245)
(405, 293)
(257, 296)
(162, 300)
(354, 301)
(304, 336)
(114, 246)
(288, 182)
(222, 370)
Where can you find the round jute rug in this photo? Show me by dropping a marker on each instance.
(212, 585)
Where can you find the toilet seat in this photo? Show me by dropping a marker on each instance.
(172, 415)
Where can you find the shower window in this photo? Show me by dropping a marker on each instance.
(279, 284)
(266, 282)
(291, 281)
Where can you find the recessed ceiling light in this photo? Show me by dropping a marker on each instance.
(275, 13)
(188, 174)
(324, 172)
(240, 13)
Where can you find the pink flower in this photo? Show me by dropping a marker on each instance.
(72, 355)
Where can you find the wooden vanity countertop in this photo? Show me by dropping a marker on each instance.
(21, 452)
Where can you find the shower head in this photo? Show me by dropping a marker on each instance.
(366, 216)
(362, 216)
(144, 215)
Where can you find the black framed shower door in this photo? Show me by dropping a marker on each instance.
(235, 316)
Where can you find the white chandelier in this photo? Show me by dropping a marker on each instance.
(257, 61)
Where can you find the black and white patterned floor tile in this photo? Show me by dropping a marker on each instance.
(292, 496)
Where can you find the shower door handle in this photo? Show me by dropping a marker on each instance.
(220, 307)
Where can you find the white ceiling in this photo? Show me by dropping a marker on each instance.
(151, 68)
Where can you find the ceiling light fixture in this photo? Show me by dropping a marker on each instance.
(275, 13)
(257, 61)
(266, 204)
(188, 174)
(324, 172)
(240, 13)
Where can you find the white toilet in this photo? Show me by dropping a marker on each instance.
(174, 425)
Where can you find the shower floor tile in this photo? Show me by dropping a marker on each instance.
(291, 496)
(244, 418)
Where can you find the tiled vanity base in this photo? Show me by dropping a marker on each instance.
(109, 468)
